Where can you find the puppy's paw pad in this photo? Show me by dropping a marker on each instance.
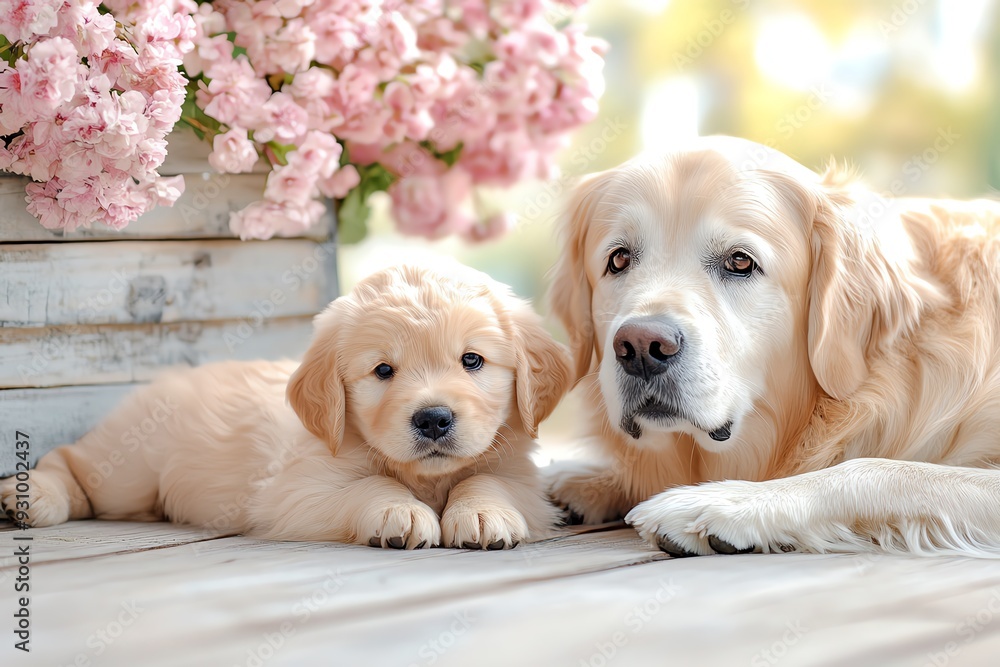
(467, 527)
(404, 526)
(43, 503)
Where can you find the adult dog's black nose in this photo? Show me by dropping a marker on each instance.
(433, 423)
(645, 346)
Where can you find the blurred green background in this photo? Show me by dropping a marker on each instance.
(905, 90)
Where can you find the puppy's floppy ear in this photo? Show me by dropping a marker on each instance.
(543, 374)
(570, 295)
(863, 295)
(316, 389)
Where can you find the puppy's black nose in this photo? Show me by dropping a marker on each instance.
(433, 423)
(645, 345)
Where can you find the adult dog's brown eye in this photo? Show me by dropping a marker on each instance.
(472, 361)
(740, 264)
(384, 371)
(619, 260)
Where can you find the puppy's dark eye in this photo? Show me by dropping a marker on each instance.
(739, 264)
(384, 371)
(619, 260)
(472, 361)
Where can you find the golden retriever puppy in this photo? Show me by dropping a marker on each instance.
(412, 418)
(821, 361)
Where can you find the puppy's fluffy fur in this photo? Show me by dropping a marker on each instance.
(348, 464)
(855, 370)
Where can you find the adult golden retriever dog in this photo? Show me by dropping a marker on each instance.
(412, 418)
(803, 364)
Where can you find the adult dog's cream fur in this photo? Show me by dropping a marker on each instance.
(847, 387)
(348, 464)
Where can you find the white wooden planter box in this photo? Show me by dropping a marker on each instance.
(86, 315)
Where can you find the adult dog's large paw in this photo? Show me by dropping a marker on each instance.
(469, 525)
(406, 525)
(716, 518)
(43, 502)
(587, 493)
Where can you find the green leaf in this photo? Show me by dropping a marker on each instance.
(281, 151)
(354, 211)
(375, 178)
(352, 217)
(449, 157)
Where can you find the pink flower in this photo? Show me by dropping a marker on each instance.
(288, 184)
(493, 227)
(319, 153)
(42, 204)
(13, 112)
(232, 152)
(235, 94)
(264, 219)
(340, 183)
(50, 75)
(429, 205)
(281, 118)
(207, 52)
(164, 191)
(25, 20)
(290, 50)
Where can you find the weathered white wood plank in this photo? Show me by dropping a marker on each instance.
(87, 539)
(223, 598)
(234, 601)
(52, 417)
(754, 610)
(166, 281)
(57, 356)
(201, 212)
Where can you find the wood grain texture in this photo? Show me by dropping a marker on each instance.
(52, 417)
(163, 596)
(133, 282)
(56, 356)
(201, 212)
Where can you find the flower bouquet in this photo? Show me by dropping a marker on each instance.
(426, 99)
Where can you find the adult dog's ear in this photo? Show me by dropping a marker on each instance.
(543, 374)
(316, 389)
(571, 293)
(863, 294)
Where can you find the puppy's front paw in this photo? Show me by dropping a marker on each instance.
(714, 518)
(468, 526)
(588, 494)
(44, 503)
(411, 525)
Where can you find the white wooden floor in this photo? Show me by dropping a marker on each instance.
(142, 595)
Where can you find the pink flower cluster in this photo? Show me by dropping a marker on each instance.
(444, 95)
(86, 100)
